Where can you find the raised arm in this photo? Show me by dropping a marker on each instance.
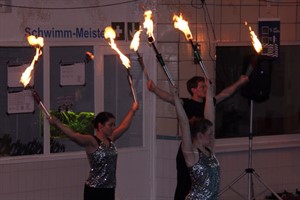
(227, 92)
(164, 95)
(124, 125)
(209, 110)
(190, 155)
(82, 140)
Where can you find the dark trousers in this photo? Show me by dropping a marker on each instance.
(99, 193)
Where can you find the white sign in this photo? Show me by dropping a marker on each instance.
(72, 74)
(14, 74)
(20, 102)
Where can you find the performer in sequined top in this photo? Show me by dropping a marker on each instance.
(101, 152)
(103, 163)
(197, 148)
(205, 176)
(194, 108)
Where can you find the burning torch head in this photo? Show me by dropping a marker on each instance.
(37, 42)
(148, 24)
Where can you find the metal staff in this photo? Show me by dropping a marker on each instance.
(131, 85)
(182, 25)
(40, 103)
(148, 23)
(135, 45)
(198, 57)
(110, 34)
(161, 61)
(140, 59)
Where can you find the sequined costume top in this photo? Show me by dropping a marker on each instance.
(103, 164)
(205, 176)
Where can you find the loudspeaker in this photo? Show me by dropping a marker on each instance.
(259, 71)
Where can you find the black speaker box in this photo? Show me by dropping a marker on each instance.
(259, 70)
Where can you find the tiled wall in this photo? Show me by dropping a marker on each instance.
(43, 180)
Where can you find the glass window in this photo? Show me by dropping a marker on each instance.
(272, 89)
(118, 98)
(71, 94)
(21, 130)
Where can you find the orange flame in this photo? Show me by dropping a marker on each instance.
(148, 23)
(136, 40)
(182, 25)
(38, 43)
(110, 34)
(255, 41)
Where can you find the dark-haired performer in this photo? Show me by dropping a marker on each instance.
(194, 108)
(198, 150)
(101, 152)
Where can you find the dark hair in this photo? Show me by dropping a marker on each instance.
(199, 126)
(193, 83)
(102, 118)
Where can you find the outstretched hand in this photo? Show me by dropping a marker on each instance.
(52, 120)
(135, 106)
(174, 90)
(243, 79)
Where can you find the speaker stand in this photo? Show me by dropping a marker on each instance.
(249, 171)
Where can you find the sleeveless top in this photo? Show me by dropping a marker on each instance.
(103, 163)
(205, 177)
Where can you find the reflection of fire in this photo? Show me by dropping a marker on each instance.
(38, 43)
(255, 41)
(182, 25)
(148, 24)
(110, 34)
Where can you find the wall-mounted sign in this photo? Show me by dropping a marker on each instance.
(269, 36)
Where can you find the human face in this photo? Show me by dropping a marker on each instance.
(200, 91)
(109, 126)
(208, 136)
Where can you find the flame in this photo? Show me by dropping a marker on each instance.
(110, 34)
(148, 23)
(136, 40)
(182, 25)
(38, 43)
(255, 41)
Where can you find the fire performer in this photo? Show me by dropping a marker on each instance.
(198, 150)
(194, 108)
(101, 152)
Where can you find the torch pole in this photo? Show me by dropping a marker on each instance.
(198, 57)
(161, 61)
(131, 85)
(140, 59)
(40, 103)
